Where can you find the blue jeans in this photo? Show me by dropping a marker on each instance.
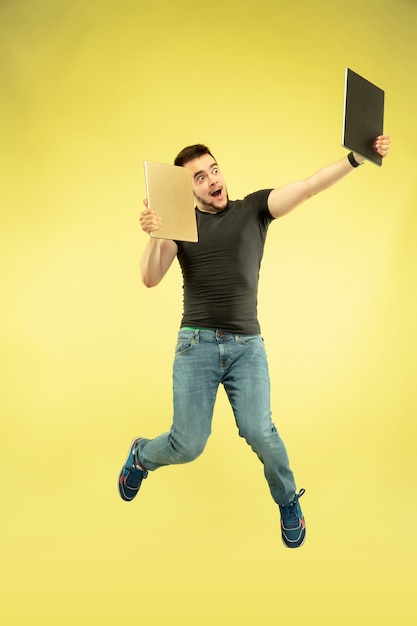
(204, 359)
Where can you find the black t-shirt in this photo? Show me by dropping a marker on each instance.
(221, 270)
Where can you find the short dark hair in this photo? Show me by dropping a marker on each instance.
(191, 152)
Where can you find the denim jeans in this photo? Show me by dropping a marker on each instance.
(204, 359)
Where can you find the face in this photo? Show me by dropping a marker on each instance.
(208, 184)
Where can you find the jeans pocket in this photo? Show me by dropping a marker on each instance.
(183, 345)
(252, 341)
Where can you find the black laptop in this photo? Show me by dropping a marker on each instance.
(363, 118)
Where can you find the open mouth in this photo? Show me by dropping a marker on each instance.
(217, 193)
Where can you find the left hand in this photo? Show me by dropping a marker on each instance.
(382, 145)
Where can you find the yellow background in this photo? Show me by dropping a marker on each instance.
(89, 90)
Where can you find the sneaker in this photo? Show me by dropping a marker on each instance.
(132, 474)
(293, 526)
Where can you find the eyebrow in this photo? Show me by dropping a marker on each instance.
(197, 174)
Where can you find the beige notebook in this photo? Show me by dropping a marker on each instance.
(169, 192)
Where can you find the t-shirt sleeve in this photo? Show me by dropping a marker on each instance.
(259, 201)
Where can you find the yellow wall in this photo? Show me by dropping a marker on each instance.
(89, 90)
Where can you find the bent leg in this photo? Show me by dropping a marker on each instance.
(195, 384)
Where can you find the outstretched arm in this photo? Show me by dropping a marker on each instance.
(286, 198)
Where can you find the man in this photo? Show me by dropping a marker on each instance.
(219, 340)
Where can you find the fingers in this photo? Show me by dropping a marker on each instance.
(149, 220)
(382, 145)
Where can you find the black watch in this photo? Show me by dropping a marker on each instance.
(352, 160)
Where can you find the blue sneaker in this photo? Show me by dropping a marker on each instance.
(293, 526)
(132, 474)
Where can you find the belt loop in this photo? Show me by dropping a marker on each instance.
(197, 335)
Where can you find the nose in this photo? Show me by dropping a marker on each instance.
(212, 179)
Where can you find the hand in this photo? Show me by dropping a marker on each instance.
(382, 145)
(149, 219)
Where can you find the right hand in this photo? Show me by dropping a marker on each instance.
(149, 219)
(382, 145)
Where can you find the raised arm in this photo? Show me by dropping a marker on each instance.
(158, 254)
(286, 198)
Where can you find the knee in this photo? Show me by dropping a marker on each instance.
(258, 437)
(187, 450)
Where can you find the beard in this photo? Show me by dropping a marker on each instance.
(210, 207)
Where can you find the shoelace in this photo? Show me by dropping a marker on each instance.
(290, 511)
